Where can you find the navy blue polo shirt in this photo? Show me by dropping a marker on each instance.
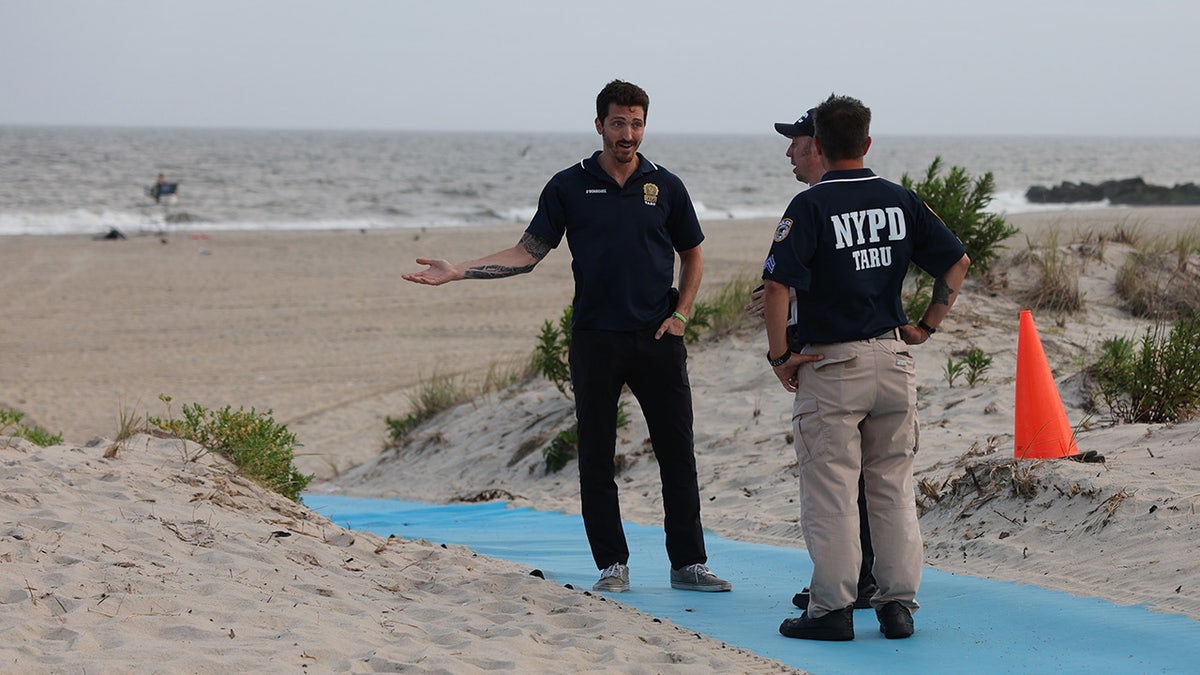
(623, 240)
(845, 244)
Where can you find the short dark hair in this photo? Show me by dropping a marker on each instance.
(621, 93)
(843, 126)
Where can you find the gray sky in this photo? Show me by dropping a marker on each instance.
(1019, 67)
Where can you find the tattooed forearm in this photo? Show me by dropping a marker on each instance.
(941, 292)
(534, 246)
(495, 271)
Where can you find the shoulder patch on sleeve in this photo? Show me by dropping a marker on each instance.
(783, 229)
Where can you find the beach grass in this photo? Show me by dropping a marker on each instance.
(1057, 285)
(12, 425)
(443, 391)
(262, 449)
(129, 422)
(1156, 379)
(1161, 279)
(722, 312)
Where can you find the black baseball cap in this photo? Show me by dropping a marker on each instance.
(803, 126)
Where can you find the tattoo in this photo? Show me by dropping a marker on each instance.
(495, 271)
(535, 246)
(941, 292)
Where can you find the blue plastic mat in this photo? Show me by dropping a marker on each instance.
(965, 624)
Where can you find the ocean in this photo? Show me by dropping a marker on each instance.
(89, 181)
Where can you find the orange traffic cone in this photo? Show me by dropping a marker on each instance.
(1042, 431)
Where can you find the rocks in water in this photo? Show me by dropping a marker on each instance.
(1130, 191)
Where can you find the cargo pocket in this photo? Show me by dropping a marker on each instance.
(806, 427)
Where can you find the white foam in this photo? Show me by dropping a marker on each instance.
(82, 221)
(1014, 201)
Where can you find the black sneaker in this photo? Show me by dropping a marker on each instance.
(863, 601)
(895, 621)
(836, 626)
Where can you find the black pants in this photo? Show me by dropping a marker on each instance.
(866, 578)
(656, 372)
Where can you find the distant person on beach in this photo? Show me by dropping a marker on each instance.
(806, 166)
(625, 220)
(844, 247)
(162, 187)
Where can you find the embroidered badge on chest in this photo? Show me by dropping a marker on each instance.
(650, 194)
(783, 229)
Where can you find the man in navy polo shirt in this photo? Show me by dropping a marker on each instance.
(844, 246)
(625, 220)
(806, 166)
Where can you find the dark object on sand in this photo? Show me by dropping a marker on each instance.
(1131, 192)
(113, 233)
(1089, 457)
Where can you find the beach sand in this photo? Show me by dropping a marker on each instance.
(159, 555)
(315, 326)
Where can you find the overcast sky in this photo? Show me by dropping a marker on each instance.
(1018, 67)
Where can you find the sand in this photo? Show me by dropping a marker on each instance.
(316, 326)
(160, 555)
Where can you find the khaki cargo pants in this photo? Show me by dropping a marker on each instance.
(857, 409)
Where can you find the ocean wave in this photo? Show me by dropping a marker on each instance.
(91, 222)
(1014, 201)
(81, 222)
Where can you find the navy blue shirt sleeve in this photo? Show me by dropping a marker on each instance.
(939, 248)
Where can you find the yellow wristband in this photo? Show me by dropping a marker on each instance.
(679, 316)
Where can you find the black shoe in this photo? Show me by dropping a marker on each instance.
(863, 601)
(895, 621)
(836, 626)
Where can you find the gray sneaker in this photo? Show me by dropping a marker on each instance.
(697, 577)
(613, 579)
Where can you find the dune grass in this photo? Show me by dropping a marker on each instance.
(12, 425)
(1155, 379)
(261, 449)
(1161, 279)
(444, 391)
(1057, 285)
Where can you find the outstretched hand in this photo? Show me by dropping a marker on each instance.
(438, 272)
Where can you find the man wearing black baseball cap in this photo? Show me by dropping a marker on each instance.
(854, 377)
(805, 162)
(802, 127)
(806, 165)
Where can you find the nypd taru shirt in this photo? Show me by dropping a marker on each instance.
(623, 240)
(844, 245)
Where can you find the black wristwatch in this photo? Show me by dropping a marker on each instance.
(926, 327)
(775, 363)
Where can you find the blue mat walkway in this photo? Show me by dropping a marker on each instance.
(965, 624)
